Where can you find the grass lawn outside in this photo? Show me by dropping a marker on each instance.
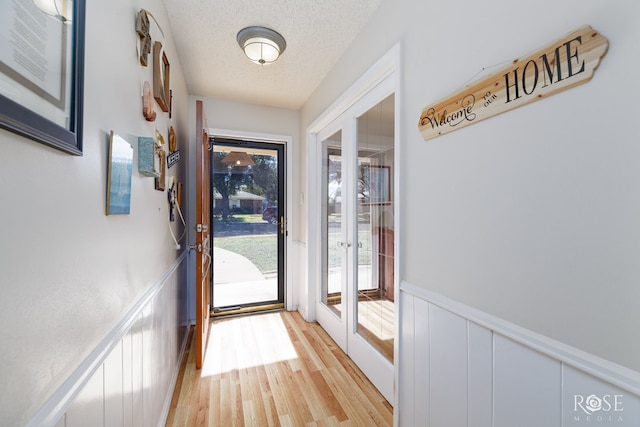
(240, 218)
(262, 250)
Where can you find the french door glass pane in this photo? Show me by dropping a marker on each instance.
(375, 226)
(332, 226)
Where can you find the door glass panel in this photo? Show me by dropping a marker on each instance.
(247, 242)
(332, 226)
(375, 226)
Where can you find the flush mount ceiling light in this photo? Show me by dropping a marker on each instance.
(238, 158)
(261, 45)
(59, 9)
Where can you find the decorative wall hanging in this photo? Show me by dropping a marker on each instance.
(170, 102)
(174, 154)
(42, 71)
(562, 64)
(147, 103)
(148, 160)
(173, 158)
(142, 28)
(162, 179)
(119, 176)
(161, 76)
(171, 196)
(173, 143)
(159, 138)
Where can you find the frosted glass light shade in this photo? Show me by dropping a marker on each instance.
(261, 45)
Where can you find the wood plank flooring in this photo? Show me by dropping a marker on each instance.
(274, 369)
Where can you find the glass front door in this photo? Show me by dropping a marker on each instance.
(249, 227)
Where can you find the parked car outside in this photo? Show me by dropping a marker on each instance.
(270, 214)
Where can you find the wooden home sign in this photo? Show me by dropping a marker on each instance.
(565, 63)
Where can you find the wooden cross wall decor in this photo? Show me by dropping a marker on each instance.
(142, 28)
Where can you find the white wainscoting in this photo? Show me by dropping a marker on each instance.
(128, 379)
(462, 367)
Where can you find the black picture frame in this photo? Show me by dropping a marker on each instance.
(32, 124)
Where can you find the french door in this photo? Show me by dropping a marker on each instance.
(355, 169)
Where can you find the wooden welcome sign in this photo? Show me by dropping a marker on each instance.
(560, 65)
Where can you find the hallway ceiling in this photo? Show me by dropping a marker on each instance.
(317, 33)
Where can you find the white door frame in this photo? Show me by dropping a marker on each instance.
(385, 68)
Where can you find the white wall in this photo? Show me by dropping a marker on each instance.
(69, 273)
(532, 216)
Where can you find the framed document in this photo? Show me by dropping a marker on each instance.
(41, 71)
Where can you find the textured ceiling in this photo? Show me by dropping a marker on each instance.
(317, 34)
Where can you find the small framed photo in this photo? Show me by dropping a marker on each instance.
(119, 176)
(376, 183)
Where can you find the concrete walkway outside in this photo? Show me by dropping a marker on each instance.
(231, 267)
(236, 281)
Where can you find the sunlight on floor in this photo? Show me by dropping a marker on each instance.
(270, 343)
(276, 370)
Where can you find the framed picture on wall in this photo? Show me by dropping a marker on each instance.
(161, 77)
(376, 184)
(41, 72)
(119, 175)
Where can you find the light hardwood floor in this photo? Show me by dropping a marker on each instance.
(274, 369)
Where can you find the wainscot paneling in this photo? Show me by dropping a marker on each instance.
(408, 376)
(461, 367)
(128, 379)
(448, 383)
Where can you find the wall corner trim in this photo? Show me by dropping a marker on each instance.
(56, 406)
(605, 370)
